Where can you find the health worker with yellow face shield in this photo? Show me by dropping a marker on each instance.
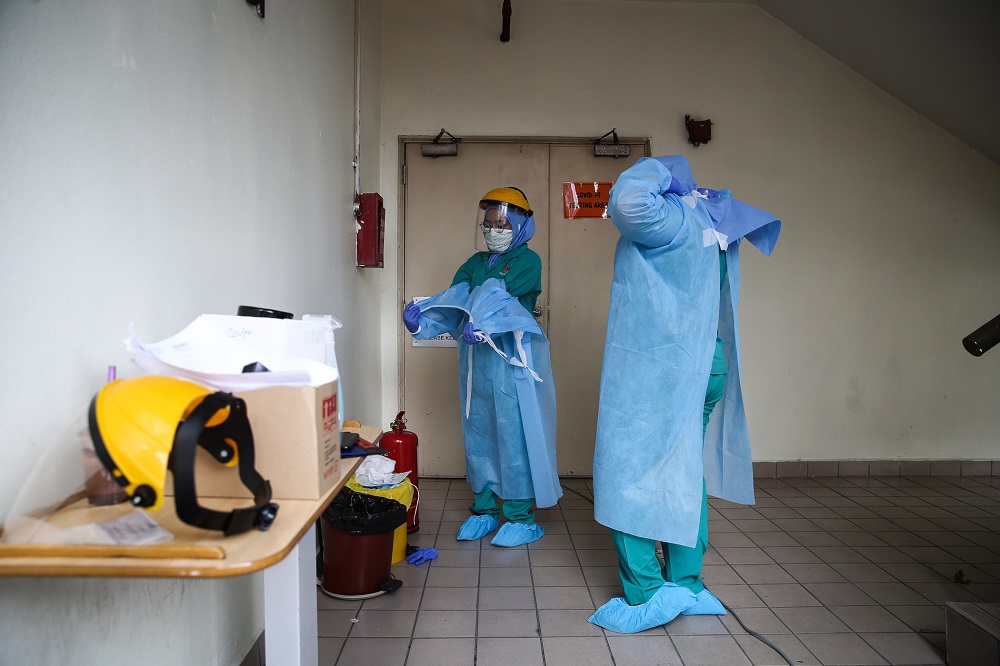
(505, 376)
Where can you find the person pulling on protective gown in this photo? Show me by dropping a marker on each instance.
(508, 398)
(671, 428)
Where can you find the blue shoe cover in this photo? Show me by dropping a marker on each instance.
(668, 602)
(517, 534)
(706, 604)
(476, 527)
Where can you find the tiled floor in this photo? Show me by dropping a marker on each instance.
(852, 570)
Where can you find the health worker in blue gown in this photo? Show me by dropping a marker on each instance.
(505, 376)
(671, 427)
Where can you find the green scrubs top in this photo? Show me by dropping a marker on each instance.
(719, 365)
(520, 269)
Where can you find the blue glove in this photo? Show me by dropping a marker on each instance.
(472, 335)
(411, 317)
(422, 555)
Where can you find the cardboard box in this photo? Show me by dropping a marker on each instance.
(296, 445)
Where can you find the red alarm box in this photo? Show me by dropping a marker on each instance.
(371, 229)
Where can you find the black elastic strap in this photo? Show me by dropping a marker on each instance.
(236, 428)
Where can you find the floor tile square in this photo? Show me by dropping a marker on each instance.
(506, 598)
(405, 598)
(842, 650)
(508, 623)
(813, 573)
(449, 598)
(923, 619)
(329, 650)
(504, 577)
(576, 652)
(507, 651)
(591, 558)
(456, 558)
(553, 558)
(334, 623)
(811, 620)
(438, 651)
(869, 619)
(383, 624)
(790, 555)
(839, 594)
(453, 576)
(895, 594)
(567, 623)
(558, 576)
(553, 598)
(710, 651)
(445, 624)
(785, 595)
(905, 648)
(762, 573)
(744, 555)
(643, 650)
(598, 576)
(737, 596)
(761, 620)
(382, 651)
(762, 654)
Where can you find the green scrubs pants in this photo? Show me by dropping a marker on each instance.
(638, 567)
(516, 511)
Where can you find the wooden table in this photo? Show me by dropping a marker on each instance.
(289, 582)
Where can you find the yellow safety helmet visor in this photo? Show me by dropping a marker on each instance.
(133, 426)
(506, 195)
(144, 426)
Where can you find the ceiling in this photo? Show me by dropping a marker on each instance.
(939, 57)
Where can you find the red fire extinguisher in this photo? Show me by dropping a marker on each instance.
(401, 446)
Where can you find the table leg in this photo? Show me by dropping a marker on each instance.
(290, 607)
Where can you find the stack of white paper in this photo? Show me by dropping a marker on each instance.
(206, 352)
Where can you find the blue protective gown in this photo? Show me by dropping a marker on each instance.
(665, 312)
(508, 400)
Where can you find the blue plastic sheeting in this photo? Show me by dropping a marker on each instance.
(476, 527)
(705, 603)
(508, 396)
(668, 602)
(665, 312)
(517, 534)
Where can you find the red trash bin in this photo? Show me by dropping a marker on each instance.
(357, 531)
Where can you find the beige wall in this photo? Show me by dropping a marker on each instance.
(161, 160)
(852, 329)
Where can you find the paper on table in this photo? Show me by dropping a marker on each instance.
(135, 528)
(204, 355)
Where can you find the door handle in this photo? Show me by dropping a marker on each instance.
(537, 311)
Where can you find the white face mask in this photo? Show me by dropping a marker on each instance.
(498, 240)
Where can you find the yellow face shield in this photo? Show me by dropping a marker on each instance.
(145, 426)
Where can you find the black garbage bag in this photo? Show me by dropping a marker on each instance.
(360, 513)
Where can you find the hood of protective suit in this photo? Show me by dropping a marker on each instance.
(523, 227)
(734, 219)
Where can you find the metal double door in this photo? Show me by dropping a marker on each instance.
(441, 196)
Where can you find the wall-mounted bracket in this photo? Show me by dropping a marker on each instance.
(699, 131)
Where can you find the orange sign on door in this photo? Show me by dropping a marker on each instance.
(586, 200)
